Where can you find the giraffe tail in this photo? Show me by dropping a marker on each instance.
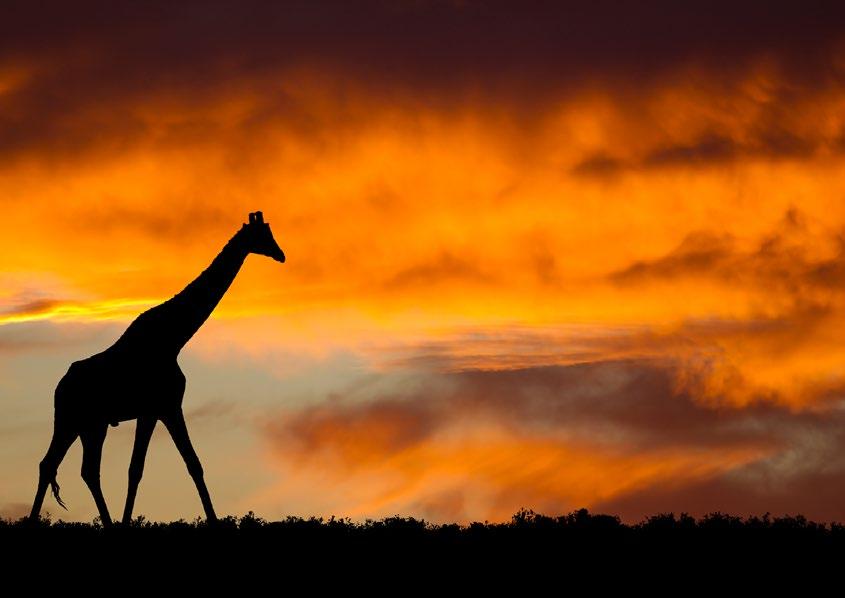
(54, 485)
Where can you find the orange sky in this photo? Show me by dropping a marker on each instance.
(617, 290)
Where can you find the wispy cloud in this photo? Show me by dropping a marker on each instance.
(493, 441)
(63, 310)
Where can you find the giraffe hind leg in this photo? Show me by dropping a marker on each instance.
(63, 437)
(143, 433)
(175, 424)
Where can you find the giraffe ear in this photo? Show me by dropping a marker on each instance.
(251, 217)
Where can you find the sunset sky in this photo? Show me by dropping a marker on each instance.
(546, 255)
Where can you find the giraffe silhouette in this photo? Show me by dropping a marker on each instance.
(138, 377)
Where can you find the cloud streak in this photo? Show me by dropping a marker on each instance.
(483, 443)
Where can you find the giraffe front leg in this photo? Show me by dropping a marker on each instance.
(175, 424)
(143, 432)
(92, 452)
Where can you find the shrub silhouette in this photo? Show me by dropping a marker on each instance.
(579, 534)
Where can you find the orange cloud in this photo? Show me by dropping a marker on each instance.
(472, 470)
(475, 444)
(439, 253)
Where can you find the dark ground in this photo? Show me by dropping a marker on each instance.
(531, 550)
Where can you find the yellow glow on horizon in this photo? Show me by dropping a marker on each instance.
(82, 312)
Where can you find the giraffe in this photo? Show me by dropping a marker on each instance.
(138, 377)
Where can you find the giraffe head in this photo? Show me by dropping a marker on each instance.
(259, 239)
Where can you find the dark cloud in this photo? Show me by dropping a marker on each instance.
(632, 407)
(749, 490)
(697, 341)
(771, 142)
(635, 403)
(781, 262)
(32, 307)
(599, 165)
(441, 40)
(355, 432)
(20, 337)
(213, 409)
(186, 217)
(88, 67)
(699, 252)
(709, 149)
(444, 267)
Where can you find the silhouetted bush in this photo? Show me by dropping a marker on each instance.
(522, 519)
(564, 539)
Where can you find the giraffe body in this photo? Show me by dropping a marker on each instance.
(109, 388)
(139, 378)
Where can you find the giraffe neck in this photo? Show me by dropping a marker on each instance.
(166, 328)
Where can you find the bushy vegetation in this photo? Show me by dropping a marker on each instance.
(530, 548)
(525, 524)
